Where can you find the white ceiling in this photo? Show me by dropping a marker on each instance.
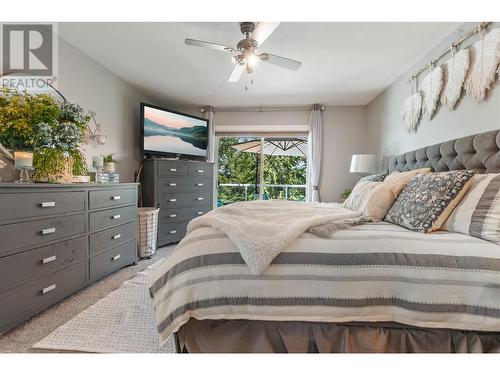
(343, 63)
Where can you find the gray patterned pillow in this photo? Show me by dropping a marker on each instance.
(375, 177)
(428, 200)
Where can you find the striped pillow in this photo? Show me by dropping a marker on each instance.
(478, 214)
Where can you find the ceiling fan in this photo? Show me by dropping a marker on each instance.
(246, 54)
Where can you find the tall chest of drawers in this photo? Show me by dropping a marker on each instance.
(57, 239)
(181, 189)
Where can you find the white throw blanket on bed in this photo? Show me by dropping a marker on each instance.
(262, 229)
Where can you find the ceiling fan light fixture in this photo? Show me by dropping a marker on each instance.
(251, 60)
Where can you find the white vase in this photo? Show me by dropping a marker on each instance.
(109, 167)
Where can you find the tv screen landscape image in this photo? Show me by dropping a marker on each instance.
(167, 132)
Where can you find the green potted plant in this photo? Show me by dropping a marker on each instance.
(53, 131)
(19, 112)
(109, 163)
(345, 194)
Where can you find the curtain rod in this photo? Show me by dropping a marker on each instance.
(478, 29)
(293, 109)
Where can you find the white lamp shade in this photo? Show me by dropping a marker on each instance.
(362, 163)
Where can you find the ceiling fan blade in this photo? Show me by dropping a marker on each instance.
(263, 30)
(236, 73)
(280, 61)
(201, 43)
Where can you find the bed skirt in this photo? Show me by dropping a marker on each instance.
(245, 336)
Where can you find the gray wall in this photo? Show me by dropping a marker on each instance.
(116, 104)
(344, 134)
(386, 131)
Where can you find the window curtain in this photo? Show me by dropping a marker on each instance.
(314, 159)
(209, 114)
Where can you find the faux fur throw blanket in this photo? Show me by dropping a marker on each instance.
(262, 229)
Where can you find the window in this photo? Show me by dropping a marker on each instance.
(246, 173)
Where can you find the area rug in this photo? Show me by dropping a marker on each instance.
(121, 322)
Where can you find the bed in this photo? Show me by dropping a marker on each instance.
(375, 287)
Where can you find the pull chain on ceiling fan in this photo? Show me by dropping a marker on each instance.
(246, 55)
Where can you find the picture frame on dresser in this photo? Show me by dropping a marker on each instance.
(58, 239)
(182, 189)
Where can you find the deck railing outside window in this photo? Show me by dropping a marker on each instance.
(246, 192)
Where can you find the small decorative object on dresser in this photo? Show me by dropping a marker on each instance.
(23, 161)
(57, 239)
(182, 190)
(109, 163)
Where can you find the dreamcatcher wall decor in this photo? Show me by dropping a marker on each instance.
(455, 70)
(412, 107)
(432, 85)
(485, 59)
(474, 69)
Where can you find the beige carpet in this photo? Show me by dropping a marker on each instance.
(22, 338)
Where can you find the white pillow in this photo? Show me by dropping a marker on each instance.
(373, 199)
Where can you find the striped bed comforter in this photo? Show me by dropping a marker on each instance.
(370, 272)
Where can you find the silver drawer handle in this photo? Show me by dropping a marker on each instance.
(48, 204)
(115, 197)
(48, 231)
(173, 232)
(173, 200)
(172, 184)
(173, 215)
(116, 216)
(173, 170)
(48, 289)
(199, 213)
(199, 198)
(116, 257)
(49, 259)
(116, 236)
(199, 184)
(200, 171)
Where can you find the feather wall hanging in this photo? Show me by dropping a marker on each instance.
(432, 85)
(485, 59)
(455, 70)
(412, 107)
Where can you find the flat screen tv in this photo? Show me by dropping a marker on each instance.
(166, 133)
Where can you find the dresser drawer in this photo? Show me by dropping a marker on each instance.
(183, 184)
(167, 168)
(19, 268)
(181, 214)
(193, 199)
(14, 236)
(28, 205)
(113, 217)
(171, 232)
(113, 259)
(111, 198)
(102, 241)
(202, 170)
(42, 292)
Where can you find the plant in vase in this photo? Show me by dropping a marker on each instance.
(19, 111)
(54, 131)
(109, 163)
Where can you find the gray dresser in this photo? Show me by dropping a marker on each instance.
(57, 239)
(181, 189)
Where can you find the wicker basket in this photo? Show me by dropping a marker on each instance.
(147, 231)
(62, 176)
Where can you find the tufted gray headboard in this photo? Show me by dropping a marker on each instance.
(480, 152)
